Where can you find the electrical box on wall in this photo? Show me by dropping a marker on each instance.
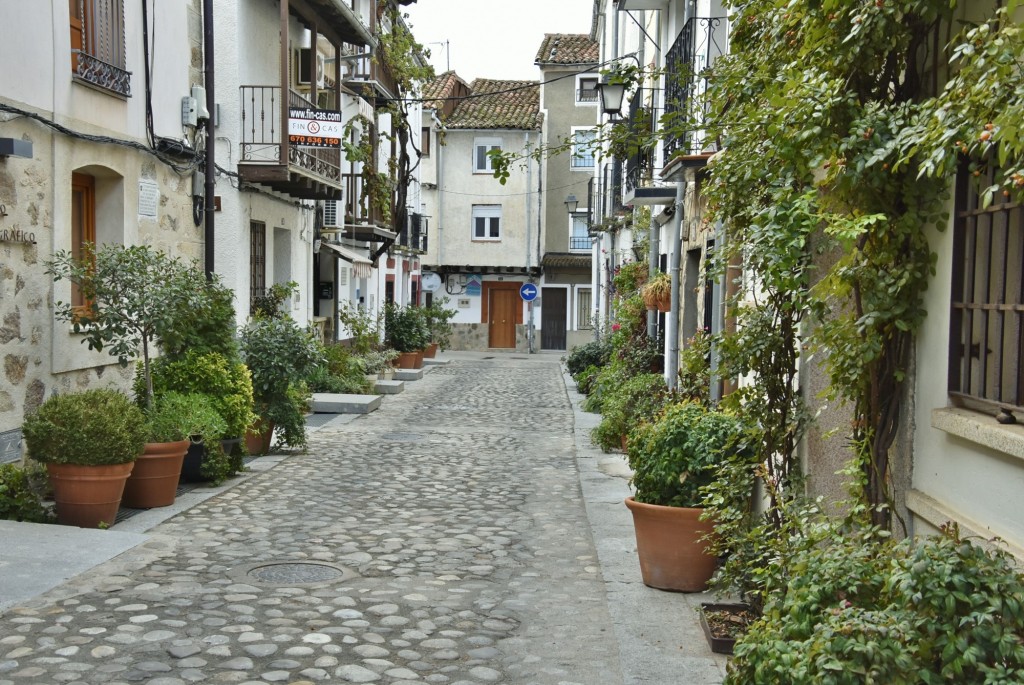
(463, 302)
(189, 112)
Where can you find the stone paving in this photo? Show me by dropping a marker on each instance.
(442, 539)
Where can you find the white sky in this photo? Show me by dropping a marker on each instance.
(495, 39)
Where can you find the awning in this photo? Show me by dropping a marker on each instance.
(361, 266)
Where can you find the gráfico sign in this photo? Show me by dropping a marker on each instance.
(16, 235)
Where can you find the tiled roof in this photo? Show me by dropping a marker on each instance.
(440, 87)
(567, 48)
(499, 104)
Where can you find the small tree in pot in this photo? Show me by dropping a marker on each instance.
(89, 442)
(406, 331)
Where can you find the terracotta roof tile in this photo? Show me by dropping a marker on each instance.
(440, 87)
(568, 48)
(499, 104)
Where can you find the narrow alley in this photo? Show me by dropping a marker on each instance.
(444, 538)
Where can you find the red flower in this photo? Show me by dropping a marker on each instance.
(615, 327)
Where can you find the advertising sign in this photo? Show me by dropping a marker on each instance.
(314, 127)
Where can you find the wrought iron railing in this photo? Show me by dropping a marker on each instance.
(586, 95)
(262, 132)
(103, 74)
(577, 242)
(699, 44)
(98, 52)
(638, 164)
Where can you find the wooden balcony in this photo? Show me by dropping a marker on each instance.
(366, 72)
(266, 157)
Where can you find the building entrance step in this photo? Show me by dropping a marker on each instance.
(336, 403)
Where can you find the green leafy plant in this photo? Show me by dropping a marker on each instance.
(95, 427)
(280, 356)
(438, 319)
(177, 416)
(131, 295)
(21, 493)
(629, 277)
(656, 290)
(695, 369)
(635, 401)
(377, 361)
(405, 329)
(271, 304)
(363, 327)
(595, 353)
(202, 322)
(226, 382)
(674, 456)
(851, 606)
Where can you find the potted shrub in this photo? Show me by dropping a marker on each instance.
(133, 295)
(227, 384)
(280, 356)
(438, 319)
(673, 458)
(172, 424)
(657, 292)
(406, 332)
(634, 401)
(377, 363)
(89, 442)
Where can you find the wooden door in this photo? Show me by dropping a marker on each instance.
(552, 319)
(502, 332)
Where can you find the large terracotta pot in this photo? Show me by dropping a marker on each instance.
(259, 437)
(669, 542)
(406, 360)
(419, 359)
(154, 480)
(431, 351)
(87, 496)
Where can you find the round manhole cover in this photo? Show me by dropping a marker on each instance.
(402, 437)
(290, 573)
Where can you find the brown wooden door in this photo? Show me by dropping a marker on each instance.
(552, 319)
(502, 332)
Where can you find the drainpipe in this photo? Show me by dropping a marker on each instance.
(440, 201)
(211, 107)
(652, 269)
(529, 220)
(672, 323)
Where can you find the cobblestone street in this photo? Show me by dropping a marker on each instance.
(442, 539)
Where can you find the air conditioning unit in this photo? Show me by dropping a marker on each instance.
(304, 67)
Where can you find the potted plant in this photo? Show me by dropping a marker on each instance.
(89, 442)
(377, 363)
(226, 382)
(673, 458)
(439, 323)
(657, 292)
(133, 295)
(172, 424)
(636, 400)
(406, 332)
(280, 356)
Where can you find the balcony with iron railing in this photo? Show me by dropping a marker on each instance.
(699, 44)
(367, 71)
(301, 172)
(640, 160)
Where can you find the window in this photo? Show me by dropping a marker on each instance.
(257, 260)
(486, 222)
(98, 45)
(584, 317)
(583, 148)
(586, 88)
(425, 142)
(481, 160)
(579, 238)
(986, 351)
(83, 223)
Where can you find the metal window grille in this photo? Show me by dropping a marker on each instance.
(99, 57)
(583, 313)
(986, 355)
(257, 260)
(331, 213)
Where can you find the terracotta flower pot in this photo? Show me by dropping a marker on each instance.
(259, 437)
(671, 547)
(419, 359)
(431, 351)
(406, 360)
(154, 480)
(87, 496)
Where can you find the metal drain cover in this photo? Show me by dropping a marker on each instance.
(402, 437)
(292, 573)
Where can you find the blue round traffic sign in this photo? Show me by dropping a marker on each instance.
(528, 292)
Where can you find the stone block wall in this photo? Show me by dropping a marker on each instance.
(474, 337)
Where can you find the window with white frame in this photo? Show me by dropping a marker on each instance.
(586, 89)
(584, 317)
(481, 154)
(583, 148)
(486, 222)
(579, 238)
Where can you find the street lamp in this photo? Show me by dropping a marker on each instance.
(612, 95)
(571, 203)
